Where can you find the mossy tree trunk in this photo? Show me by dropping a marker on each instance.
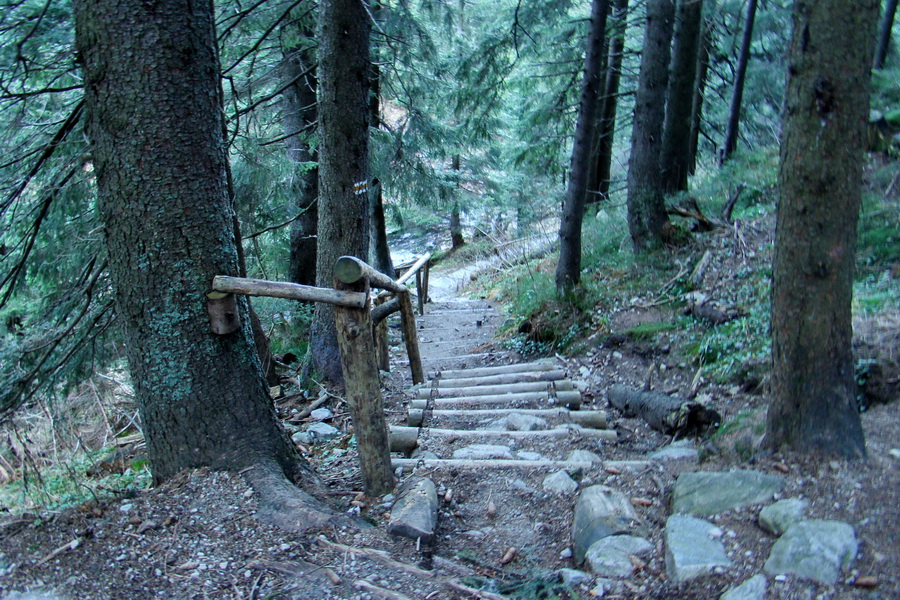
(702, 69)
(568, 270)
(675, 154)
(156, 127)
(344, 70)
(814, 405)
(646, 209)
(298, 71)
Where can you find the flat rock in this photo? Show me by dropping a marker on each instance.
(560, 483)
(815, 550)
(321, 414)
(611, 556)
(752, 589)
(693, 548)
(527, 455)
(520, 422)
(414, 515)
(600, 512)
(482, 452)
(682, 450)
(706, 493)
(574, 577)
(321, 432)
(778, 517)
(584, 456)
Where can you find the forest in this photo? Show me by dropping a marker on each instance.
(689, 207)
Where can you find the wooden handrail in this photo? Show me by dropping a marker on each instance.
(350, 269)
(420, 262)
(291, 291)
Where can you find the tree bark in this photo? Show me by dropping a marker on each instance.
(646, 209)
(568, 270)
(814, 406)
(737, 95)
(884, 33)
(300, 114)
(157, 135)
(606, 133)
(344, 30)
(456, 232)
(675, 153)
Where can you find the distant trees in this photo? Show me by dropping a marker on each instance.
(646, 210)
(814, 406)
(568, 270)
(884, 33)
(737, 94)
(159, 156)
(344, 70)
(675, 158)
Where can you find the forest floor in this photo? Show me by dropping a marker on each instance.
(196, 536)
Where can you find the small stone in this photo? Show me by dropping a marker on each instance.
(778, 517)
(300, 438)
(573, 577)
(611, 556)
(126, 507)
(752, 589)
(895, 452)
(584, 456)
(146, 526)
(321, 414)
(482, 452)
(317, 433)
(691, 549)
(566, 554)
(560, 483)
(526, 455)
(676, 451)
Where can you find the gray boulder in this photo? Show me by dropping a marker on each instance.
(584, 456)
(778, 517)
(600, 512)
(752, 589)
(414, 515)
(611, 556)
(693, 548)
(815, 550)
(682, 450)
(560, 483)
(706, 493)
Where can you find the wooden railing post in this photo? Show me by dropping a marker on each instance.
(408, 319)
(382, 356)
(419, 288)
(363, 391)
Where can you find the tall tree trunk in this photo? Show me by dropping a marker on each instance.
(607, 127)
(379, 251)
(884, 33)
(344, 31)
(737, 94)
(814, 405)
(157, 136)
(646, 209)
(706, 44)
(299, 105)
(456, 231)
(568, 270)
(675, 153)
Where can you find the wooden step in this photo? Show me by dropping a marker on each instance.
(493, 390)
(595, 419)
(405, 439)
(501, 379)
(408, 464)
(571, 400)
(499, 370)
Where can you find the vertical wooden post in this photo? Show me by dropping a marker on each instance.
(427, 272)
(363, 392)
(408, 317)
(421, 298)
(382, 357)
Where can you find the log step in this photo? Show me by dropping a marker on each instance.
(492, 390)
(501, 379)
(405, 439)
(408, 464)
(570, 400)
(586, 418)
(499, 370)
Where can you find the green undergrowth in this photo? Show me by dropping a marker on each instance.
(615, 281)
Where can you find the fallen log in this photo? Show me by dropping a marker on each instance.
(670, 415)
